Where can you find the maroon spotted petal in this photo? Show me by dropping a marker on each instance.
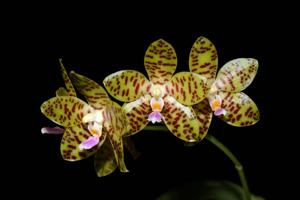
(68, 83)
(181, 120)
(92, 91)
(105, 161)
(116, 124)
(66, 111)
(137, 113)
(160, 61)
(241, 109)
(71, 140)
(127, 85)
(204, 116)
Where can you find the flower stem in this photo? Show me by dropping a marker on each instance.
(226, 151)
(237, 164)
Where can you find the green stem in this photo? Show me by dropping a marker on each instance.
(226, 151)
(237, 164)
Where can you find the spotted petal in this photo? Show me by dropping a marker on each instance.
(105, 162)
(71, 140)
(116, 125)
(241, 110)
(188, 88)
(66, 111)
(94, 93)
(204, 59)
(68, 83)
(160, 61)
(62, 92)
(181, 120)
(137, 114)
(126, 85)
(236, 75)
(204, 116)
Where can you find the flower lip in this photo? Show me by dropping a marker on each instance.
(89, 143)
(155, 117)
(220, 111)
(215, 102)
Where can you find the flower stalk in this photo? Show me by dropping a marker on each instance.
(226, 151)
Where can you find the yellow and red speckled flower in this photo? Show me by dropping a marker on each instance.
(225, 98)
(88, 125)
(166, 97)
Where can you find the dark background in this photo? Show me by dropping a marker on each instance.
(97, 51)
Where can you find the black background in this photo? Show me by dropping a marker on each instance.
(96, 50)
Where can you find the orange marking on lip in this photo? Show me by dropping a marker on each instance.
(156, 106)
(216, 105)
(94, 131)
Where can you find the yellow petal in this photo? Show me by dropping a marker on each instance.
(68, 83)
(241, 109)
(137, 114)
(116, 124)
(92, 91)
(204, 116)
(188, 88)
(66, 111)
(127, 85)
(236, 75)
(71, 140)
(181, 120)
(204, 59)
(160, 61)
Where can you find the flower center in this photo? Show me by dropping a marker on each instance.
(156, 92)
(157, 106)
(95, 116)
(156, 103)
(215, 102)
(94, 121)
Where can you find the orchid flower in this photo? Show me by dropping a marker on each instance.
(166, 97)
(68, 90)
(97, 97)
(225, 98)
(86, 127)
